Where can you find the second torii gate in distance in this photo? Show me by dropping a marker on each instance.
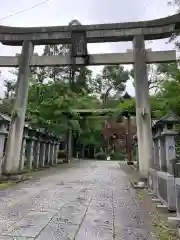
(79, 36)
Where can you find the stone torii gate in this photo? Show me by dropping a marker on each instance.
(79, 36)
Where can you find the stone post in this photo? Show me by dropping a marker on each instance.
(42, 153)
(36, 153)
(30, 151)
(54, 153)
(156, 153)
(153, 165)
(47, 152)
(82, 151)
(162, 154)
(51, 153)
(69, 145)
(14, 143)
(143, 113)
(23, 154)
(3, 134)
(170, 150)
(56, 147)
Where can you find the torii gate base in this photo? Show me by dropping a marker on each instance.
(78, 36)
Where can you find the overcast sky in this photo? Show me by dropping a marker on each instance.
(61, 12)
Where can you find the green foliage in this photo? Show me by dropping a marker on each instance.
(115, 156)
(168, 95)
(165, 100)
(118, 156)
(100, 156)
(112, 79)
(54, 106)
(168, 69)
(6, 106)
(62, 154)
(128, 106)
(10, 86)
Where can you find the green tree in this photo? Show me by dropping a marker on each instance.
(168, 95)
(55, 108)
(154, 76)
(9, 88)
(110, 82)
(169, 70)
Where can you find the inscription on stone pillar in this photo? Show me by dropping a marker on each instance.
(79, 44)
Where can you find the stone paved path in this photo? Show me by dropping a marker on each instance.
(87, 201)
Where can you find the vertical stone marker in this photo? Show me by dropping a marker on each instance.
(143, 113)
(69, 153)
(13, 149)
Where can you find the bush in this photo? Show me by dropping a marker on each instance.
(117, 156)
(100, 156)
(62, 154)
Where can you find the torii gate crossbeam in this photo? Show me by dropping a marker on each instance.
(94, 59)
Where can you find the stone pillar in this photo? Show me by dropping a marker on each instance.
(47, 153)
(162, 154)
(143, 113)
(156, 153)
(14, 143)
(170, 150)
(54, 153)
(51, 153)
(159, 153)
(69, 145)
(42, 153)
(137, 159)
(82, 151)
(94, 151)
(30, 151)
(3, 134)
(36, 153)
(153, 165)
(23, 154)
(56, 149)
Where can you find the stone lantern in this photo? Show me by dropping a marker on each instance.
(165, 157)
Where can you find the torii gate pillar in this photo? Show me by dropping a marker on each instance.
(143, 113)
(13, 149)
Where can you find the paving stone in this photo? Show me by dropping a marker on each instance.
(71, 213)
(126, 203)
(102, 193)
(14, 212)
(30, 225)
(14, 238)
(101, 205)
(133, 234)
(46, 204)
(58, 231)
(130, 219)
(96, 228)
(4, 225)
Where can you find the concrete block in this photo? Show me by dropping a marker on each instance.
(156, 200)
(163, 208)
(174, 221)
